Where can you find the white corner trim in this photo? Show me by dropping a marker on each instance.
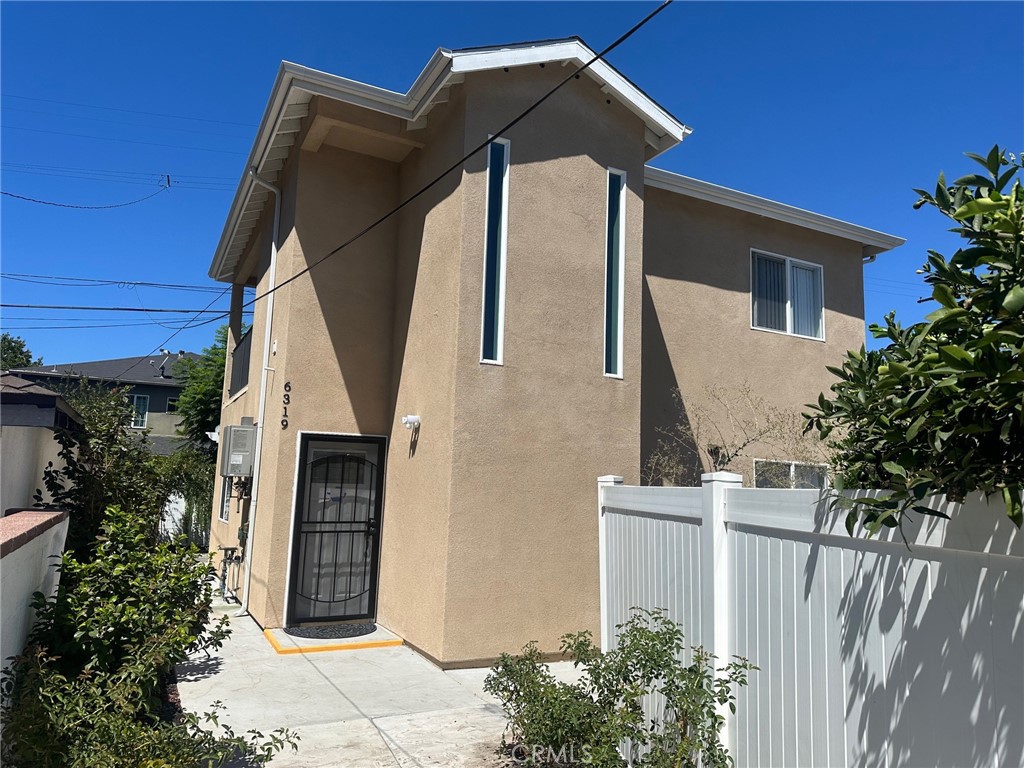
(760, 206)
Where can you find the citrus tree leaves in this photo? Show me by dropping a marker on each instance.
(940, 408)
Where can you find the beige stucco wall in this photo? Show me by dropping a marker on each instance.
(533, 434)
(697, 314)
(415, 532)
(26, 452)
(489, 534)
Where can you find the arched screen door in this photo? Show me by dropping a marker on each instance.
(336, 540)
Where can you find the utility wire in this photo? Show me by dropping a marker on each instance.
(118, 309)
(430, 185)
(77, 327)
(132, 111)
(102, 282)
(67, 116)
(146, 174)
(191, 324)
(84, 207)
(458, 164)
(120, 141)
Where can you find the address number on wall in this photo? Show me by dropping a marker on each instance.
(286, 400)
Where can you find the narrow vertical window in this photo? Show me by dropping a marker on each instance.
(613, 280)
(493, 326)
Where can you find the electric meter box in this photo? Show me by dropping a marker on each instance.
(239, 441)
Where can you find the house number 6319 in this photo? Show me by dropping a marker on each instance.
(287, 400)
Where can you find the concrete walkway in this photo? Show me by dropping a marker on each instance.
(366, 708)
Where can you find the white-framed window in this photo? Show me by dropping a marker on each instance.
(172, 405)
(614, 262)
(786, 295)
(225, 499)
(495, 246)
(789, 474)
(140, 403)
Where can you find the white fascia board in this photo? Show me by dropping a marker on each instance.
(444, 67)
(292, 77)
(713, 193)
(572, 50)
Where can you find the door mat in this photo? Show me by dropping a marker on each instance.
(332, 631)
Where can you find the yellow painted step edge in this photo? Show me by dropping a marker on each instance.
(278, 648)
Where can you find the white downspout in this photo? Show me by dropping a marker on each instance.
(262, 410)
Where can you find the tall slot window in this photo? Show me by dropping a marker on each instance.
(786, 295)
(495, 244)
(613, 279)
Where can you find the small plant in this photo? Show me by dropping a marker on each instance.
(599, 720)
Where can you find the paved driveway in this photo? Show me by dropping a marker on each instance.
(372, 708)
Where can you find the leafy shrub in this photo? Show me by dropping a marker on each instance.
(600, 718)
(940, 408)
(104, 464)
(86, 691)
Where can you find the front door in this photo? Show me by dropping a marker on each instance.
(336, 538)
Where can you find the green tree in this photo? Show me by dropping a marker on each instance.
(940, 408)
(14, 353)
(200, 400)
(105, 463)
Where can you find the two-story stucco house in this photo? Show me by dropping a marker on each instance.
(529, 315)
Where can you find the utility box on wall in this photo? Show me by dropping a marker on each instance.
(237, 456)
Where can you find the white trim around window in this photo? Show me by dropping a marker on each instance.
(140, 403)
(492, 299)
(224, 514)
(614, 268)
(821, 470)
(789, 265)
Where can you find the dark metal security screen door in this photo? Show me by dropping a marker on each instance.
(336, 544)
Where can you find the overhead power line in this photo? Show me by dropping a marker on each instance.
(120, 141)
(107, 171)
(191, 324)
(98, 282)
(118, 309)
(629, 33)
(130, 111)
(68, 116)
(458, 164)
(84, 207)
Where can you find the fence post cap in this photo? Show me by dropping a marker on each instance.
(610, 480)
(721, 477)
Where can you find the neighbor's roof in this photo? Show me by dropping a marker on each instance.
(296, 85)
(130, 370)
(16, 391)
(872, 241)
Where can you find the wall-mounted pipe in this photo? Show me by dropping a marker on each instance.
(262, 409)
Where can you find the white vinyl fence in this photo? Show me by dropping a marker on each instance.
(870, 653)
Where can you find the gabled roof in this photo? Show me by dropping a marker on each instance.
(872, 241)
(296, 85)
(141, 371)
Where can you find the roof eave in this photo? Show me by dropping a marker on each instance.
(873, 241)
(445, 67)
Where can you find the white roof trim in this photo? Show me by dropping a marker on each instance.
(873, 240)
(295, 84)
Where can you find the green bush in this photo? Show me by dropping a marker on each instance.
(87, 690)
(599, 719)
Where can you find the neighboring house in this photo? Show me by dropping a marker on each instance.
(154, 390)
(30, 417)
(528, 316)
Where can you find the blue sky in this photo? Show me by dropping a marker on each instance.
(839, 108)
